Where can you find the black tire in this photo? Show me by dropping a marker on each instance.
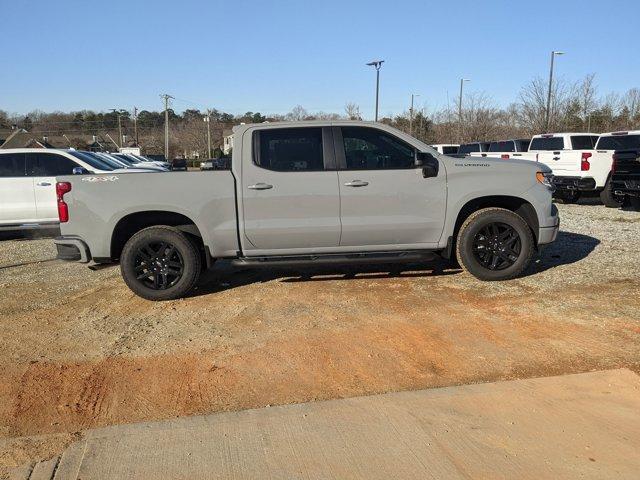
(160, 263)
(490, 234)
(568, 196)
(634, 203)
(608, 198)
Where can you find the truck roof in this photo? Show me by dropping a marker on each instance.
(558, 134)
(621, 132)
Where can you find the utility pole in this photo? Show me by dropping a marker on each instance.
(166, 98)
(208, 120)
(135, 125)
(377, 64)
(460, 127)
(117, 112)
(547, 120)
(411, 113)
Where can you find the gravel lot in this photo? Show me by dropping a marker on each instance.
(79, 350)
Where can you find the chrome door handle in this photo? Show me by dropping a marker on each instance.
(260, 186)
(356, 183)
(43, 184)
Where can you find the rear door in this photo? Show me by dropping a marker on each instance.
(386, 203)
(289, 187)
(43, 168)
(17, 202)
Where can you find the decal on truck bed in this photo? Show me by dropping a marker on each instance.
(109, 178)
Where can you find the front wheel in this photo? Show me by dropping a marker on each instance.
(494, 244)
(160, 263)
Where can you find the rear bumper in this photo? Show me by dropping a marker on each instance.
(626, 185)
(72, 249)
(583, 184)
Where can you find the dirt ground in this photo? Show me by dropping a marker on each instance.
(79, 350)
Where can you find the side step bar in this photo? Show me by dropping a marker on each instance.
(338, 259)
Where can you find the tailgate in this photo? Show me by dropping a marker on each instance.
(563, 163)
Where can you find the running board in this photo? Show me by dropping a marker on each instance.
(338, 259)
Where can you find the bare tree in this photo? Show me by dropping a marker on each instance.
(353, 111)
(297, 114)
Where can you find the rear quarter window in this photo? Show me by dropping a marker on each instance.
(506, 146)
(583, 142)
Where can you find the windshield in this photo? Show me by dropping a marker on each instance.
(128, 160)
(469, 147)
(92, 160)
(619, 142)
(547, 143)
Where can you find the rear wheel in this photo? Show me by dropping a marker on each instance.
(160, 263)
(608, 198)
(494, 244)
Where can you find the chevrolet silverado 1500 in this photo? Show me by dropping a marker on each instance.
(308, 193)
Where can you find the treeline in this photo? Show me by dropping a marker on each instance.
(576, 106)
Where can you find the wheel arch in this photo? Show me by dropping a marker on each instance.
(132, 223)
(517, 205)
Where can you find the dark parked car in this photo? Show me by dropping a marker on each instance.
(222, 163)
(625, 179)
(179, 164)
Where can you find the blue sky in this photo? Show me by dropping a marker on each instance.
(269, 56)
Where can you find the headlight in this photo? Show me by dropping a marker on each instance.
(545, 178)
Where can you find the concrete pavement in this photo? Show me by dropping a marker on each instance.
(574, 426)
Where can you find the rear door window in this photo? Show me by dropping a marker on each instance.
(583, 142)
(619, 142)
(289, 149)
(49, 165)
(547, 143)
(12, 165)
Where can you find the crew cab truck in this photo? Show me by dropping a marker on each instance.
(571, 158)
(625, 178)
(309, 193)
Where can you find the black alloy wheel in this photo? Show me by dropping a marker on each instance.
(497, 246)
(158, 265)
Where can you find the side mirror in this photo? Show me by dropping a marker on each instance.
(428, 163)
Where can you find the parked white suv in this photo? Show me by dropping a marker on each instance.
(28, 183)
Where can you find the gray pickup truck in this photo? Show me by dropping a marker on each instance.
(310, 193)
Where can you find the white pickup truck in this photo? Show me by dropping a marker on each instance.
(506, 149)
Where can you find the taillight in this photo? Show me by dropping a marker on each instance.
(504, 156)
(63, 209)
(584, 161)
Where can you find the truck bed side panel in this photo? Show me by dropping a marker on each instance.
(98, 202)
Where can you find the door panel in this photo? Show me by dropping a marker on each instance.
(44, 167)
(385, 200)
(289, 200)
(17, 203)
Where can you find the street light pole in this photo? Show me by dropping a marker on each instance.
(208, 120)
(460, 126)
(411, 113)
(547, 119)
(377, 64)
(117, 112)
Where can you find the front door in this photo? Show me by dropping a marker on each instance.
(17, 203)
(290, 195)
(385, 199)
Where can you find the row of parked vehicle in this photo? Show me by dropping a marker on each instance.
(28, 179)
(582, 163)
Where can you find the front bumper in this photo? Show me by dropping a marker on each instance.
(583, 184)
(72, 249)
(550, 233)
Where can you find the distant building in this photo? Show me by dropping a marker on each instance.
(227, 141)
(20, 138)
